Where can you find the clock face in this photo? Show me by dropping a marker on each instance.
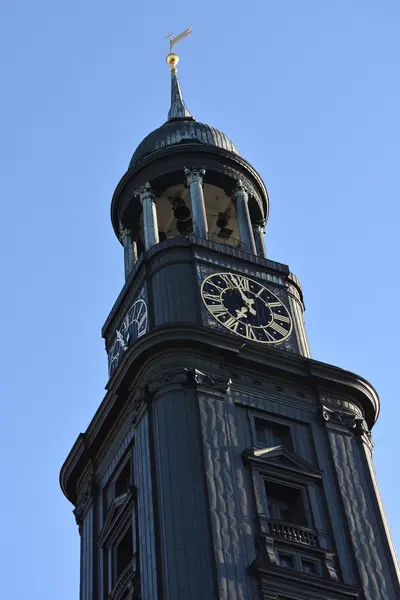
(132, 327)
(246, 308)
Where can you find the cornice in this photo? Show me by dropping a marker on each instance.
(230, 354)
(302, 583)
(71, 462)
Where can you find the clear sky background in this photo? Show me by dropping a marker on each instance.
(308, 91)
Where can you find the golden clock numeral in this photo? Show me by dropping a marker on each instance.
(274, 304)
(213, 297)
(141, 320)
(232, 324)
(218, 310)
(228, 280)
(268, 335)
(278, 328)
(241, 283)
(281, 318)
(250, 333)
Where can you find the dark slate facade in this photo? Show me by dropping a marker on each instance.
(223, 462)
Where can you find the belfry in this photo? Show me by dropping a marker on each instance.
(224, 463)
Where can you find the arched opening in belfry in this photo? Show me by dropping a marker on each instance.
(175, 218)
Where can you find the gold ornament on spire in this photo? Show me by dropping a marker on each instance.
(172, 58)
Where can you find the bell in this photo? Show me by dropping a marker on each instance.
(181, 211)
(222, 220)
(185, 227)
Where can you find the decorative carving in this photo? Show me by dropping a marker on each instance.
(330, 566)
(137, 405)
(259, 226)
(350, 420)
(179, 377)
(191, 376)
(241, 189)
(222, 384)
(124, 232)
(145, 191)
(83, 501)
(269, 549)
(194, 175)
(126, 583)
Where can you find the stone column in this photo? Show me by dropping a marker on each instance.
(150, 222)
(194, 181)
(128, 240)
(258, 233)
(241, 198)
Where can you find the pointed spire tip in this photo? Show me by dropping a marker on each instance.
(178, 109)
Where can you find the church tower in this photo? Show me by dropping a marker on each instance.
(224, 463)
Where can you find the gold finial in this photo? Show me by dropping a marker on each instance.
(172, 58)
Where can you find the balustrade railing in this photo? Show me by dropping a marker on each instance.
(294, 533)
(125, 585)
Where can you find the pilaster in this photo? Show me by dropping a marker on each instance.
(185, 546)
(351, 444)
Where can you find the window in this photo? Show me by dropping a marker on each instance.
(118, 486)
(272, 434)
(285, 503)
(123, 553)
(308, 566)
(123, 481)
(286, 560)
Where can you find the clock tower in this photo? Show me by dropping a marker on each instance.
(224, 463)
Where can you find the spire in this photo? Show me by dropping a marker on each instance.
(178, 108)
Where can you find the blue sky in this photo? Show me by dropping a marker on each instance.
(308, 91)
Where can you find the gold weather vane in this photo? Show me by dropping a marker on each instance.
(178, 38)
(172, 58)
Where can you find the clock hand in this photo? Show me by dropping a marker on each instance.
(248, 301)
(242, 312)
(251, 309)
(121, 340)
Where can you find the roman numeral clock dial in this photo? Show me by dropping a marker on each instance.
(133, 326)
(246, 307)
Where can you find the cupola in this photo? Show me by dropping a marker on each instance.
(187, 179)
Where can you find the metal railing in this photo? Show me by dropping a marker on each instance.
(226, 241)
(294, 533)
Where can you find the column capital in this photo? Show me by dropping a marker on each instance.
(355, 423)
(194, 175)
(241, 189)
(124, 231)
(145, 191)
(216, 385)
(84, 499)
(259, 226)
